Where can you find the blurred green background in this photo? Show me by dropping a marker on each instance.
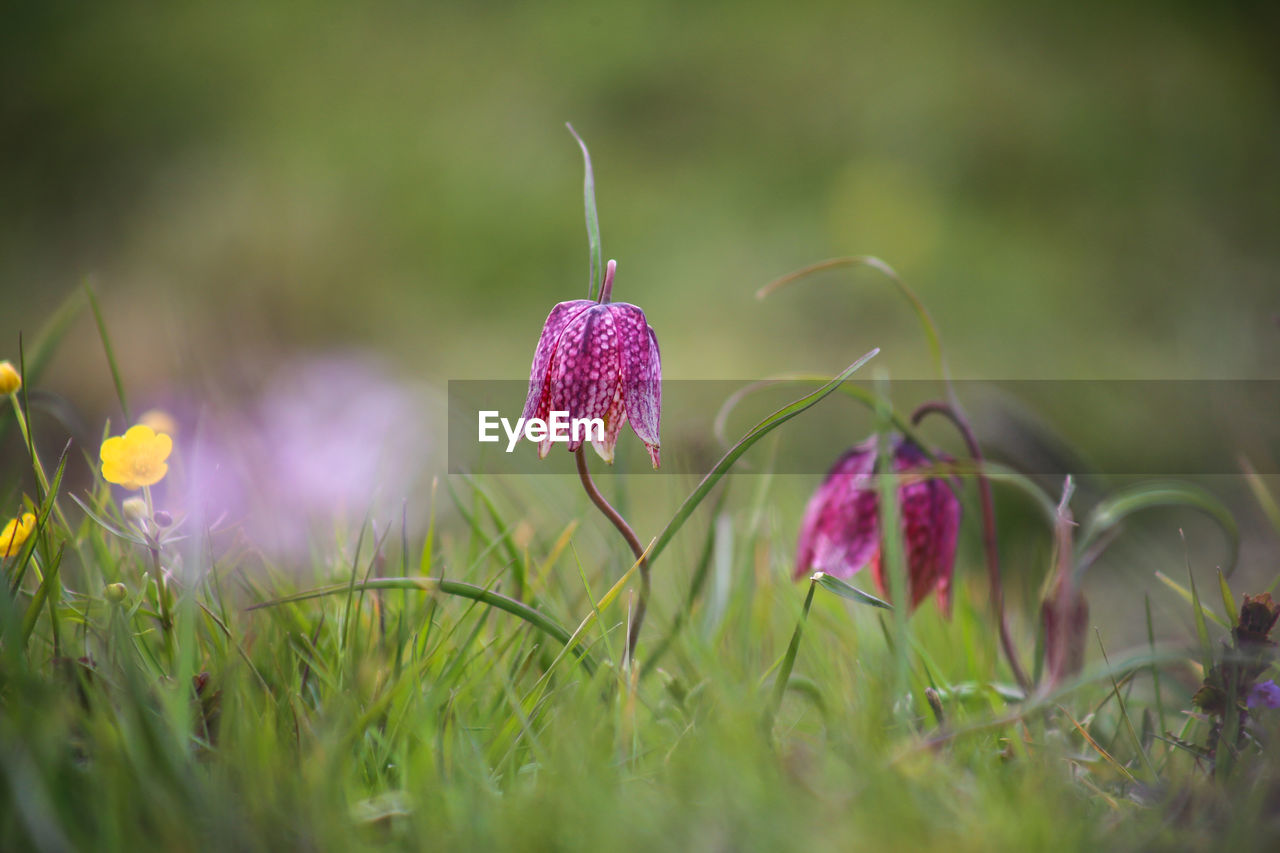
(1089, 190)
(1076, 191)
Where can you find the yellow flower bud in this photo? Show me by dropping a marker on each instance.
(15, 533)
(10, 381)
(115, 592)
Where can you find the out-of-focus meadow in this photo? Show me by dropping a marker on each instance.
(260, 190)
(303, 221)
(1076, 191)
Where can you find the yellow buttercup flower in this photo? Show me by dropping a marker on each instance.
(15, 533)
(10, 380)
(137, 458)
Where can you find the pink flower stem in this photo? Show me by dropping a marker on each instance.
(606, 287)
(637, 616)
(988, 529)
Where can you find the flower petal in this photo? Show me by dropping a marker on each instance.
(930, 526)
(613, 421)
(152, 476)
(120, 474)
(1265, 694)
(139, 433)
(161, 447)
(112, 449)
(535, 404)
(641, 375)
(584, 368)
(839, 534)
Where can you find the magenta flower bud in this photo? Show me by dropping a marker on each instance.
(598, 360)
(841, 529)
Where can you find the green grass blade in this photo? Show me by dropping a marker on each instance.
(922, 314)
(1228, 600)
(789, 659)
(460, 589)
(596, 264)
(1266, 500)
(744, 444)
(591, 618)
(848, 591)
(109, 350)
(861, 395)
(1186, 595)
(1202, 630)
(428, 544)
(1113, 510)
(518, 568)
(43, 513)
(892, 547)
(696, 583)
(1155, 670)
(46, 343)
(43, 594)
(1097, 747)
(1124, 715)
(106, 525)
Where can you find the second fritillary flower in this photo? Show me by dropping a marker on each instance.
(840, 533)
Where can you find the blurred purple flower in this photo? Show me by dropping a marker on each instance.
(328, 440)
(1265, 694)
(840, 533)
(598, 360)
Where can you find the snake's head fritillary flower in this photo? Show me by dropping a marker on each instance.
(137, 458)
(598, 360)
(840, 533)
(10, 379)
(15, 533)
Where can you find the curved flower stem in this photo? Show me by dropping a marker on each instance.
(637, 616)
(988, 528)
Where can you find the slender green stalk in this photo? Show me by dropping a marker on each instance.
(596, 264)
(789, 659)
(108, 350)
(1152, 775)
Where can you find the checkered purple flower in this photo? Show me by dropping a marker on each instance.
(840, 533)
(599, 360)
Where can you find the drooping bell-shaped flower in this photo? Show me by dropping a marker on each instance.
(841, 529)
(598, 360)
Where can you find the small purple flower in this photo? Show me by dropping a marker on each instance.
(841, 529)
(1265, 694)
(598, 360)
